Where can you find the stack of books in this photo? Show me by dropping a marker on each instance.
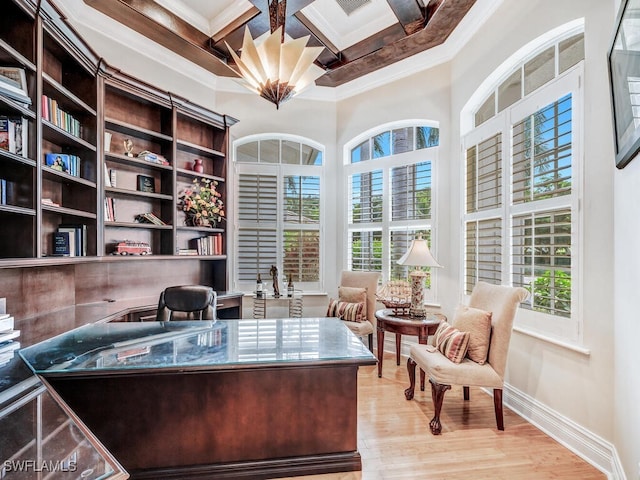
(209, 245)
(149, 217)
(148, 156)
(8, 344)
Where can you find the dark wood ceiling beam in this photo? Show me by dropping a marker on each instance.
(164, 28)
(410, 15)
(439, 27)
(237, 24)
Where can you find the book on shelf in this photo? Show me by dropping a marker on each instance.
(109, 176)
(148, 156)
(149, 217)
(52, 113)
(187, 251)
(14, 135)
(63, 244)
(77, 237)
(146, 184)
(13, 84)
(63, 162)
(49, 202)
(3, 191)
(207, 245)
(109, 209)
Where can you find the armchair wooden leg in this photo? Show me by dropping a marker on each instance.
(465, 392)
(437, 393)
(411, 368)
(371, 342)
(497, 403)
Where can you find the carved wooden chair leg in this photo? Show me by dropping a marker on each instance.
(497, 403)
(422, 375)
(371, 342)
(437, 393)
(411, 368)
(465, 392)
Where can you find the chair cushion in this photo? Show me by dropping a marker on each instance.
(441, 370)
(354, 295)
(478, 323)
(348, 311)
(361, 329)
(451, 342)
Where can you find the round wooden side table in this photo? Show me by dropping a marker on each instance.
(388, 321)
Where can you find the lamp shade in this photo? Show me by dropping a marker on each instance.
(418, 254)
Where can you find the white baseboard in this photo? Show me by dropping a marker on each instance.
(587, 445)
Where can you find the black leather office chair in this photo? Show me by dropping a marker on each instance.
(187, 302)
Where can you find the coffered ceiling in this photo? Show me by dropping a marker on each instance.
(359, 36)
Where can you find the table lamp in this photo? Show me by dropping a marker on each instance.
(418, 255)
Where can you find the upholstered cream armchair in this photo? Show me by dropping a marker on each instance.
(488, 320)
(368, 281)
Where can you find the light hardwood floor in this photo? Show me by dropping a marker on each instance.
(395, 442)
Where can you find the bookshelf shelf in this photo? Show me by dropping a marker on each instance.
(130, 129)
(135, 193)
(134, 161)
(68, 211)
(198, 150)
(65, 177)
(142, 226)
(14, 209)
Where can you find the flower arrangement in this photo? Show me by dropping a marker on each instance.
(202, 203)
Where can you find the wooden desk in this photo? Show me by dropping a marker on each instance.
(212, 399)
(387, 321)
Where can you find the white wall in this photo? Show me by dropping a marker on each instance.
(586, 389)
(625, 317)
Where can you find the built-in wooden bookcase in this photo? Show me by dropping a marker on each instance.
(68, 147)
(83, 162)
(200, 140)
(138, 119)
(18, 171)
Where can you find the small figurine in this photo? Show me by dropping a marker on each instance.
(128, 147)
(274, 274)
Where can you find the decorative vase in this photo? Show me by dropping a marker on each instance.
(193, 221)
(197, 165)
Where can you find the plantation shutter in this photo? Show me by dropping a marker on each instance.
(411, 192)
(542, 151)
(541, 253)
(484, 175)
(366, 250)
(483, 255)
(366, 197)
(257, 233)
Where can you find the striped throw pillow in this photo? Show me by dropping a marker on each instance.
(351, 312)
(451, 342)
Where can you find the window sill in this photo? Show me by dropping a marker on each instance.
(569, 346)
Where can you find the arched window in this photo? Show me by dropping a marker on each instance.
(279, 210)
(522, 182)
(390, 195)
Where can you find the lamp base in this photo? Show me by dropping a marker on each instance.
(417, 309)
